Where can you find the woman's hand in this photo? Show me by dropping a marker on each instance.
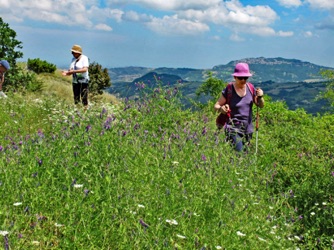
(67, 72)
(224, 109)
(259, 92)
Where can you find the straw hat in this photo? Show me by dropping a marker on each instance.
(76, 49)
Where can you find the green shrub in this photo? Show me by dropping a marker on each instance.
(23, 82)
(40, 66)
(99, 79)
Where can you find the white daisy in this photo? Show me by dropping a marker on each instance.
(3, 233)
(240, 234)
(181, 236)
(172, 222)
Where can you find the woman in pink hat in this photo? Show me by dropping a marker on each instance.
(237, 101)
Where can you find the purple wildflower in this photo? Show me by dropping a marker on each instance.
(40, 133)
(6, 242)
(291, 194)
(107, 123)
(1, 148)
(89, 127)
(203, 157)
(39, 161)
(143, 223)
(136, 126)
(104, 111)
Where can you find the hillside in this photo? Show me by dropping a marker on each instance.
(294, 81)
(263, 69)
(147, 174)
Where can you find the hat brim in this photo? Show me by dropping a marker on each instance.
(5, 64)
(242, 74)
(76, 51)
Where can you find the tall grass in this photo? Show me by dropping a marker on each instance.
(147, 174)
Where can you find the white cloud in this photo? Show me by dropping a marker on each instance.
(308, 34)
(216, 38)
(235, 37)
(102, 26)
(173, 5)
(187, 17)
(4, 3)
(136, 17)
(102, 15)
(238, 18)
(284, 33)
(172, 25)
(290, 3)
(321, 4)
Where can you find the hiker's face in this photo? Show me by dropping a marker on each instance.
(76, 55)
(2, 69)
(241, 80)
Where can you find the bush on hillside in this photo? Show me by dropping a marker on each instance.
(40, 66)
(17, 80)
(99, 79)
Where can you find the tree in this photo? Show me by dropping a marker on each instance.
(16, 78)
(99, 79)
(328, 94)
(212, 87)
(41, 66)
(9, 44)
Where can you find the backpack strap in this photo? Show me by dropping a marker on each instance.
(252, 90)
(229, 93)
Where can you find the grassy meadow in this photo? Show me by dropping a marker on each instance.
(147, 174)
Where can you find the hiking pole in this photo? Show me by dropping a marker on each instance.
(257, 128)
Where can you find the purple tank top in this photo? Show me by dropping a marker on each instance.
(241, 111)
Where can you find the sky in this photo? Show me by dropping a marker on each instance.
(173, 33)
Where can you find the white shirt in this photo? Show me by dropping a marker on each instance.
(81, 63)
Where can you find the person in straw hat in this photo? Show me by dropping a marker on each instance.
(80, 76)
(237, 101)
(4, 66)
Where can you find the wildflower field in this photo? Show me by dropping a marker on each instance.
(147, 174)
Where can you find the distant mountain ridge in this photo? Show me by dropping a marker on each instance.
(264, 69)
(294, 81)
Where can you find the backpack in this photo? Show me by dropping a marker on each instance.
(222, 119)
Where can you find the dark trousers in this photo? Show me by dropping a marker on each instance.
(80, 92)
(239, 140)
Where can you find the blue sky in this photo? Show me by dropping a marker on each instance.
(173, 33)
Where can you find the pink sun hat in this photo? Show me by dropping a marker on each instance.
(241, 69)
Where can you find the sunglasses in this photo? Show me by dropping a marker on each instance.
(242, 78)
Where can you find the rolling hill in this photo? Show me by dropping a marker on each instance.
(294, 81)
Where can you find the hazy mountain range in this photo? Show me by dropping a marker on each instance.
(294, 81)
